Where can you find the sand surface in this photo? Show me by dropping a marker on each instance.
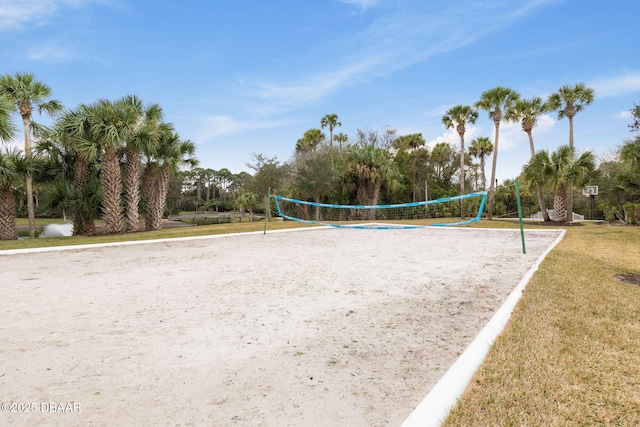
(322, 327)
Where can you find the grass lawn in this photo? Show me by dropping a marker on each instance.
(569, 356)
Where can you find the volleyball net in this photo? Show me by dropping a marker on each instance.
(442, 212)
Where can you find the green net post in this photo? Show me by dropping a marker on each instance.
(267, 209)
(524, 249)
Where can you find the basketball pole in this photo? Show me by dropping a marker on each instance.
(524, 249)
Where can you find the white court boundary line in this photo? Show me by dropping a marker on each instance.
(216, 236)
(435, 407)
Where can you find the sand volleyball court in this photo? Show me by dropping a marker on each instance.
(314, 327)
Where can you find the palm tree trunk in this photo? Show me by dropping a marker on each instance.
(149, 190)
(462, 213)
(82, 226)
(26, 123)
(132, 190)
(111, 183)
(559, 206)
(569, 194)
(7, 214)
(541, 204)
(492, 188)
(159, 196)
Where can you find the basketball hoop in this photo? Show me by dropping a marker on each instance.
(590, 190)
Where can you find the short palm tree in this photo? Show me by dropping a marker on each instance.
(557, 171)
(246, 201)
(310, 141)
(170, 153)
(28, 94)
(340, 139)
(480, 148)
(457, 117)
(369, 169)
(71, 130)
(527, 111)
(494, 101)
(330, 121)
(13, 168)
(568, 101)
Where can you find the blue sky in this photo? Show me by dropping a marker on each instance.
(248, 76)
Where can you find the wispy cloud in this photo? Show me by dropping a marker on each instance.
(395, 40)
(21, 14)
(213, 126)
(617, 85)
(364, 4)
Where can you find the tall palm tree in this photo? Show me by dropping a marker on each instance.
(480, 148)
(568, 101)
(107, 127)
(527, 111)
(494, 101)
(28, 94)
(144, 136)
(557, 171)
(457, 117)
(331, 121)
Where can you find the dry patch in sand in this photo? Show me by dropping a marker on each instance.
(318, 327)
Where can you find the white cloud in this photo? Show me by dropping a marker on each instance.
(624, 115)
(617, 85)
(217, 125)
(21, 14)
(451, 137)
(394, 41)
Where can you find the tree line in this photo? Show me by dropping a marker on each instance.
(107, 159)
(118, 160)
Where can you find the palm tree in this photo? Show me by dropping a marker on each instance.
(527, 111)
(28, 94)
(369, 168)
(557, 171)
(457, 117)
(330, 120)
(568, 101)
(246, 201)
(340, 138)
(310, 141)
(171, 153)
(106, 127)
(7, 129)
(11, 176)
(73, 129)
(480, 148)
(494, 101)
(144, 137)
